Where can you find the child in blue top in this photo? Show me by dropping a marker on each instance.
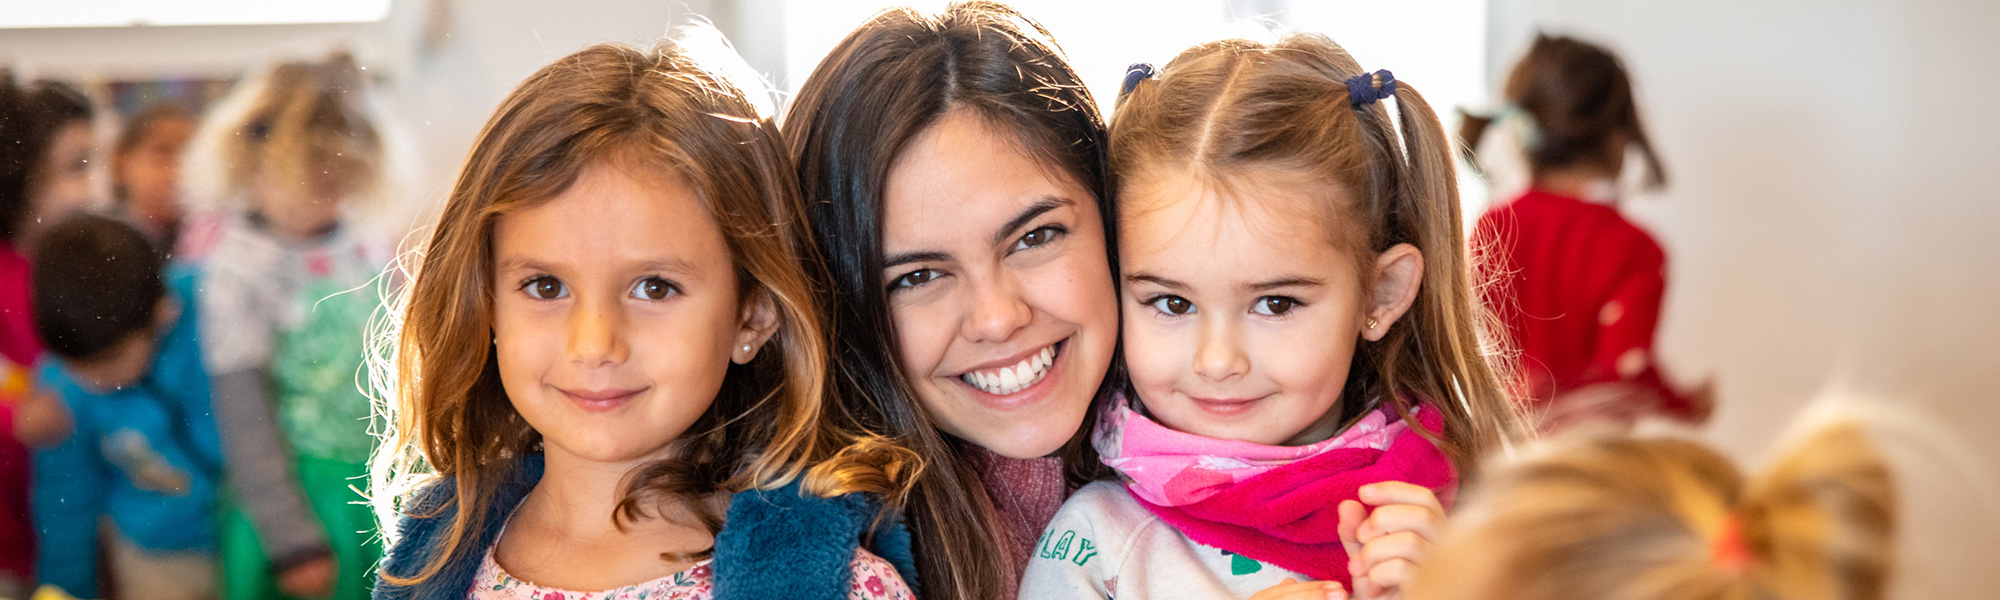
(144, 455)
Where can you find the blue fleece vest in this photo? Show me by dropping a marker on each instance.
(782, 543)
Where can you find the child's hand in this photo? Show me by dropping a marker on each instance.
(310, 579)
(40, 419)
(1291, 589)
(1384, 547)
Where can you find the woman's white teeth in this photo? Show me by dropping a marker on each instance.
(1007, 380)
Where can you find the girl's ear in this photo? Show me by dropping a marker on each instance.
(757, 323)
(1399, 271)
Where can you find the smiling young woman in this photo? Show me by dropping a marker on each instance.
(954, 170)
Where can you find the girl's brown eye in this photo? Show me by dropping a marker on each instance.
(1173, 305)
(546, 288)
(1275, 305)
(653, 288)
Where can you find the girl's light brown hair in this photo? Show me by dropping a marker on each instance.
(1235, 111)
(662, 109)
(1637, 519)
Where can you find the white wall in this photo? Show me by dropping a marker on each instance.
(1832, 224)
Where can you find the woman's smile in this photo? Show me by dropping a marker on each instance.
(1016, 382)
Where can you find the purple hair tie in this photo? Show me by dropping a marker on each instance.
(1133, 75)
(1361, 89)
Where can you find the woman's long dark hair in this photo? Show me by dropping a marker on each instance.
(884, 84)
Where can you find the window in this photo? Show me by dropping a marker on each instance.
(15, 14)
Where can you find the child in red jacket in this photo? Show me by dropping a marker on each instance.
(1577, 284)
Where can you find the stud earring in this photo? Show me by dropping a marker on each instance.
(746, 348)
(1371, 322)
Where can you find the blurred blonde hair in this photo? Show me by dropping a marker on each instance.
(294, 121)
(1662, 519)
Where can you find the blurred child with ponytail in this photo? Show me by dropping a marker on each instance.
(1664, 519)
(1307, 379)
(1577, 284)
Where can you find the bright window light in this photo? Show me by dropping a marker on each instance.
(23, 14)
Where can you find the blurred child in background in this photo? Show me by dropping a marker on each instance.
(1578, 285)
(143, 458)
(45, 151)
(1662, 519)
(146, 168)
(284, 298)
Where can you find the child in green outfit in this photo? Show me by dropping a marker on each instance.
(285, 299)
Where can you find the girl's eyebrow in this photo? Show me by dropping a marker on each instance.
(1261, 286)
(1045, 205)
(516, 263)
(1143, 277)
(1285, 282)
(675, 266)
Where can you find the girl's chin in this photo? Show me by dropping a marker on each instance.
(599, 452)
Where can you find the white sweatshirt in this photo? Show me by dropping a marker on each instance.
(1103, 544)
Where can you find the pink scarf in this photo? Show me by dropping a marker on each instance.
(1276, 504)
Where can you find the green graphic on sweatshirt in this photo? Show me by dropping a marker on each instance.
(1242, 565)
(1070, 547)
(317, 368)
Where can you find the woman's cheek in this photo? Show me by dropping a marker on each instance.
(923, 335)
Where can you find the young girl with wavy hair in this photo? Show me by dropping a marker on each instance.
(612, 358)
(1306, 373)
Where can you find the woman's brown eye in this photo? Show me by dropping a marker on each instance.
(1041, 235)
(914, 279)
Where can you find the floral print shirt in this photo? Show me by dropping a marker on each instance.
(873, 579)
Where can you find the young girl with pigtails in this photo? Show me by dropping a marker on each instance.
(610, 376)
(1306, 374)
